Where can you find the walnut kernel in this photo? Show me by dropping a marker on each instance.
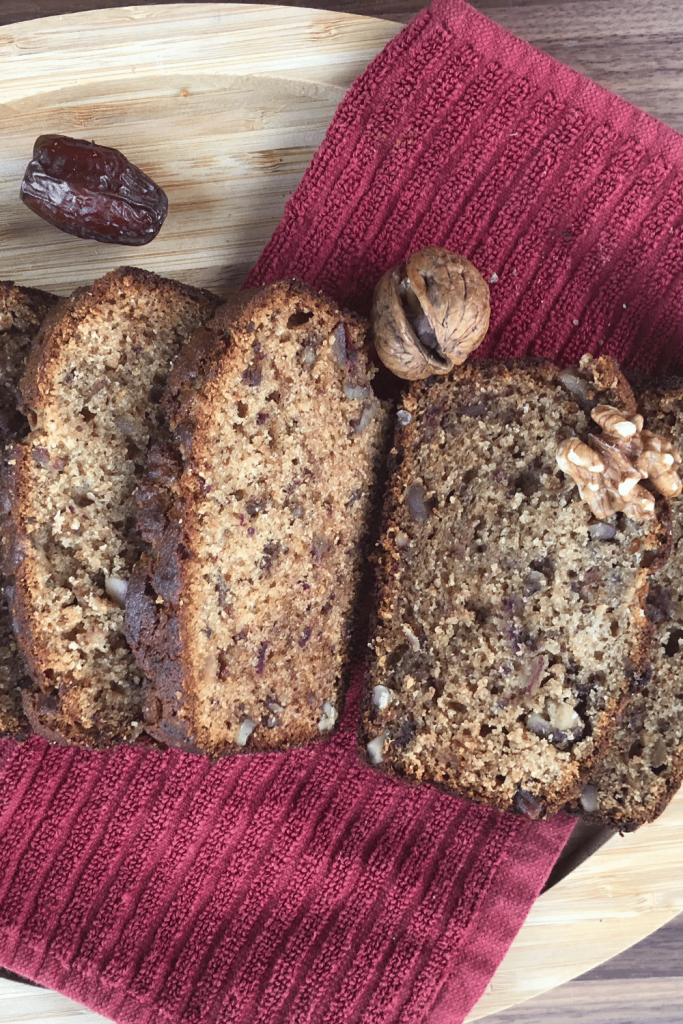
(609, 467)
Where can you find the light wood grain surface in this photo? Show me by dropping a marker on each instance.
(204, 98)
(632, 47)
(628, 889)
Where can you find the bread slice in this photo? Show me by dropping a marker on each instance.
(90, 392)
(510, 623)
(257, 518)
(644, 765)
(22, 311)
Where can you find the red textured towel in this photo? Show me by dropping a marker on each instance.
(305, 888)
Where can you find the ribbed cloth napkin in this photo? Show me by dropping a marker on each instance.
(305, 888)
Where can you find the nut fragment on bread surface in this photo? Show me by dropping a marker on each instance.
(429, 313)
(609, 466)
(509, 630)
(22, 311)
(258, 516)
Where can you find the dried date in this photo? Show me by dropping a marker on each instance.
(92, 191)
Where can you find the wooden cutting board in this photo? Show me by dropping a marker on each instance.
(224, 106)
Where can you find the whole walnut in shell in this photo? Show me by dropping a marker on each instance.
(429, 313)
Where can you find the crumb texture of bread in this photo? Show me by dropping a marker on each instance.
(510, 624)
(22, 310)
(643, 767)
(91, 393)
(257, 518)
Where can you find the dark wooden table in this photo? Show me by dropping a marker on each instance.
(634, 48)
(631, 46)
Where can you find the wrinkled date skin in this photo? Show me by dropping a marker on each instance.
(92, 191)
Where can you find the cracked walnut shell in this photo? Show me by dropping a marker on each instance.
(429, 313)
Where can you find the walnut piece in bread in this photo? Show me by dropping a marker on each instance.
(608, 467)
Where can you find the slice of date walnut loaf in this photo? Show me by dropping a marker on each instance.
(257, 518)
(22, 310)
(510, 624)
(91, 393)
(643, 767)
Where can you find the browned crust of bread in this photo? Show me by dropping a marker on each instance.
(56, 328)
(14, 551)
(614, 390)
(197, 362)
(152, 627)
(153, 611)
(22, 310)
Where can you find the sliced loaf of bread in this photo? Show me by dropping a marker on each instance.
(510, 627)
(257, 516)
(22, 310)
(91, 393)
(643, 767)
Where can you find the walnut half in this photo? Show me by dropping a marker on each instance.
(429, 313)
(608, 468)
